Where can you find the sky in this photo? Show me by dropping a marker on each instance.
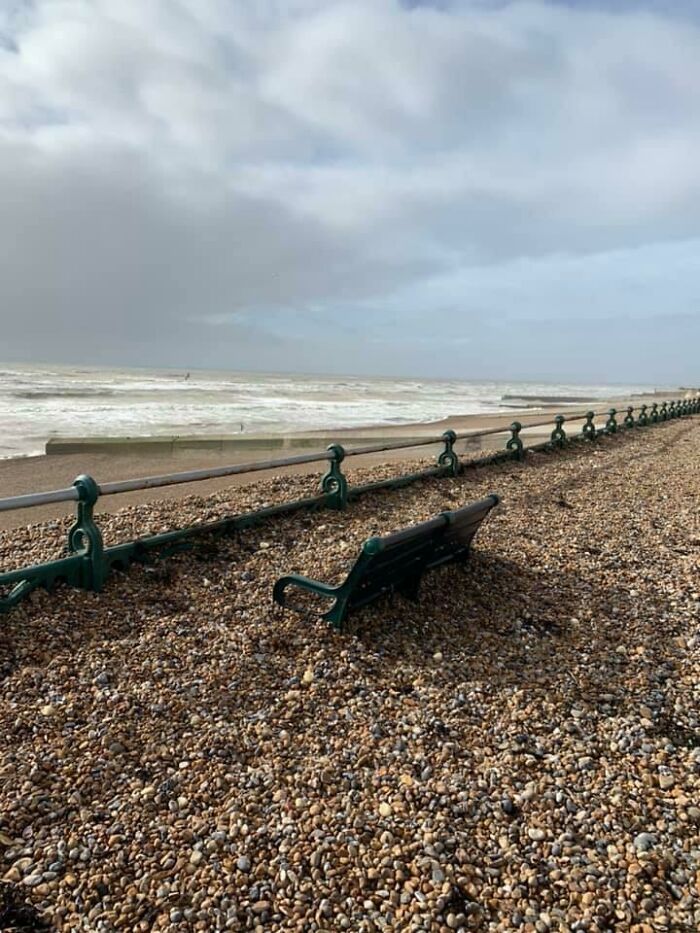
(461, 188)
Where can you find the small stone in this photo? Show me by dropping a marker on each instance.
(243, 863)
(644, 841)
(438, 656)
(385, 809)
(694, 814)
(536, 834)
(666, 781)
(32, 881)
(308, 676)
(196, 857)
(48, 710)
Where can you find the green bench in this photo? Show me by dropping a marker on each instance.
(395, 563)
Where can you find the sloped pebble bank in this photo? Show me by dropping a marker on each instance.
(518, 750)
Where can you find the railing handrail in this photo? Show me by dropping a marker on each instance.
(38, 498)
(89, 562)
(71, 494)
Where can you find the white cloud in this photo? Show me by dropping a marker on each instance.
(164, 163)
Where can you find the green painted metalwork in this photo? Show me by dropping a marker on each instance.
(588, 430)
(88, 562)
(395, 563)
(558, 435)
(334, 484)
(611, 423)
(515, 444)
(643, 419)
(85, 538)
(448, 459)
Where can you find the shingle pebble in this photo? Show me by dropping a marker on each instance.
(520, 749)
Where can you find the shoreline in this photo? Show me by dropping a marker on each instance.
(106, 463)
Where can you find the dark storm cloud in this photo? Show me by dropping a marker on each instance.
(232, 184)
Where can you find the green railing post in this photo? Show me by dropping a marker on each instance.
(558, 435)
(654, 416)
(588, 430)
(663, 412)
(515, 444)
(334, 484)
(642, 420)
(611, 423)
(629, 417)
(448, 458)
(672, 410)
(85, 538)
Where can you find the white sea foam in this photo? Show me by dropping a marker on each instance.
(39, 402)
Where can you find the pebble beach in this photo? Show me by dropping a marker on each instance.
(518, 750)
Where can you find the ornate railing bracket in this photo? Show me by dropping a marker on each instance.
(515, 443)
(334, 484)
(589, 430)
(558, 435)
(448, 458)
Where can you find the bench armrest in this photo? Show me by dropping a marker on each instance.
(303, 583)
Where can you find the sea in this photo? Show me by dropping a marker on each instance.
(41, 402)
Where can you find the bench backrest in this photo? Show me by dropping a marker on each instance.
(398, 561)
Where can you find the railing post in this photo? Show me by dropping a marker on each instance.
(588, 430)
(654, 416)
(85, 538)
(558, 435)
(611, 423)
(448, 458)
(515, 443)
(629, 417)
(334, 484)
(672, 410)
(642, 420)
(663, 411)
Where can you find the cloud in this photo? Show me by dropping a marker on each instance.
(224, 183)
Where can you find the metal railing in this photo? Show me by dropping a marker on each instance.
(88, 563)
